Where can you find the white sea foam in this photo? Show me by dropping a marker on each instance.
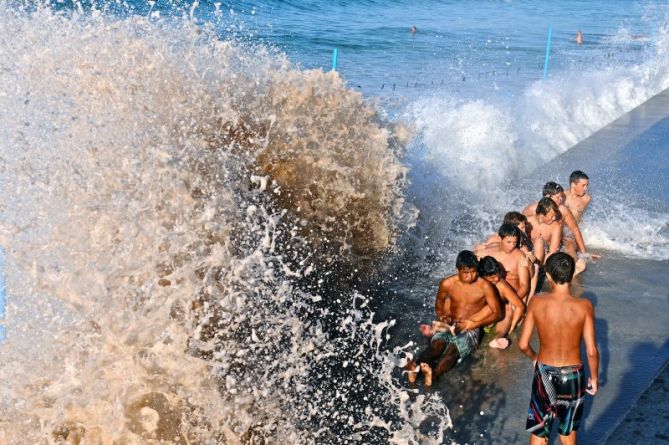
(480, 146)
(174, 210)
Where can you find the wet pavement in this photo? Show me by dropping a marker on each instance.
(647, 421)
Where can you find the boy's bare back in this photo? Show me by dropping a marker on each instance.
(560, 320)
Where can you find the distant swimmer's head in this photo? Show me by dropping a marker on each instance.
(579, 37)
(489, 269)
(467, 264)
(413, 29)
(554, 191)
(510, 236)
(547, 211)
(579, 182)
(560, 268)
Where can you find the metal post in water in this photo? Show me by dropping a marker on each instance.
(651, 46)
(548, 51)
(334, 59)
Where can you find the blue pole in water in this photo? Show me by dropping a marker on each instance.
(651, 44)
(334, 59)
(548, 51)
(3, 294)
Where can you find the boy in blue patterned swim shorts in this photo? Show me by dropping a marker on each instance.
(559, 386)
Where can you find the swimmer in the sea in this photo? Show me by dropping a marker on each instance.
(413, 29)
(461, 298)
(579, 38)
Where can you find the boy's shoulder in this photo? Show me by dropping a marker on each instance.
(447, 281)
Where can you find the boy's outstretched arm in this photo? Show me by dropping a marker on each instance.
(571, 223)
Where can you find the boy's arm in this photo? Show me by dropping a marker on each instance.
(571, 223)
(492, 306)
(481, 315)
(442, 306)
(523, 276)
(556, 239)
(591, 350)
(526, 334)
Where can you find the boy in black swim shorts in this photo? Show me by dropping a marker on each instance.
(556, 392)
(563, 321)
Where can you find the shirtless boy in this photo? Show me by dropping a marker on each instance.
(526, 245)
(572, 237)
(513, 260)
(545, 228)
(514, 308)
(577, 198)
(563, 322)
(460, 300)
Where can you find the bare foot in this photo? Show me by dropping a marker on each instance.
(427, 371)
(499, 343)
(426, 330)
(411, 371)
(579, 267)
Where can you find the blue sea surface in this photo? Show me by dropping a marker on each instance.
(462, 45)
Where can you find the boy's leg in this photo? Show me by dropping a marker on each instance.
(568, 440)
(569, 246)
(432, 352)
(540, 249)
(447, 361)
(533, 282)
(536, 440)
(427, 356)
(502, 329)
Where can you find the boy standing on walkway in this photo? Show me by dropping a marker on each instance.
(559, 386)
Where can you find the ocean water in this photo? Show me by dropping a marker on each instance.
(207, 230)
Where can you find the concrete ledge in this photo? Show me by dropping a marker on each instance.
(647, 420)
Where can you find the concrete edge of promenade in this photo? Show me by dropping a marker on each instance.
(647, 419)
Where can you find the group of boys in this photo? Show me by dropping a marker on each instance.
(493, 290)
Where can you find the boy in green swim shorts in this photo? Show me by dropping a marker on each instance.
(461, 298)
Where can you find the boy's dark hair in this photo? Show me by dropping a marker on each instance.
(466, 260)
(577, 175)
(551, 188)
(506, 230)
(545, 205)
(514, 218)
(560, 267)
(488, 266)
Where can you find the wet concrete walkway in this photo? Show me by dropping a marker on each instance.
(647, 421)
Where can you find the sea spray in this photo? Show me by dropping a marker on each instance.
(471, 151)
(176, 209)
